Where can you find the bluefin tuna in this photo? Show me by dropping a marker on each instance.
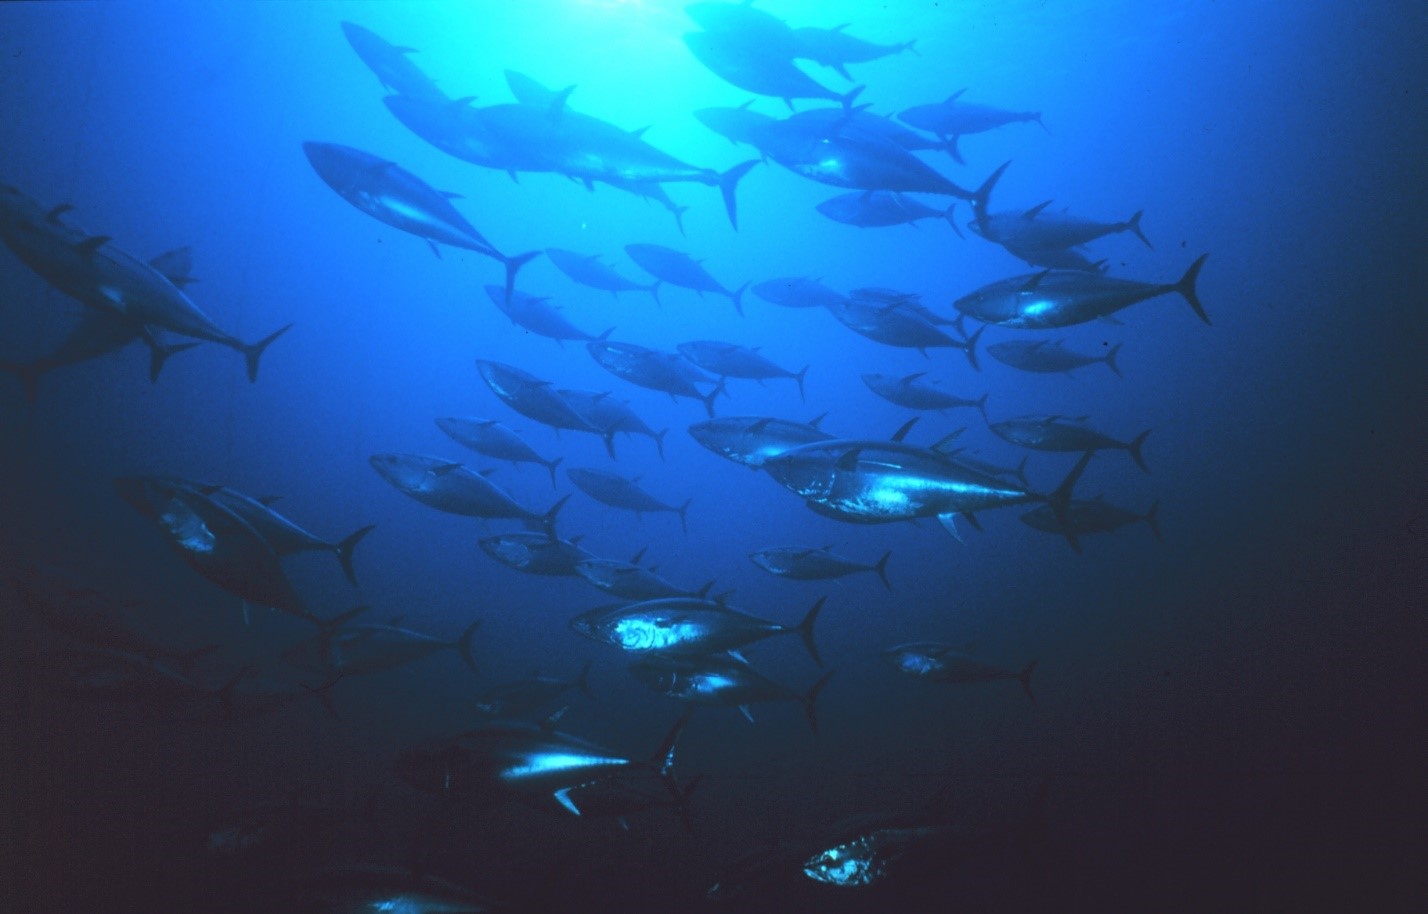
(391, 63)
(612, 416)
(798, 292)
(914, 393)
(687, 627)
(677, 268)
(535, 553)
(618, 492)
(667, 372)
(877, 208)
(933, 661)
(836, 49)
(1064, 433)
(524, 697)
(587, 270)
(453, 488)
(953, 117)
(722, 682)
(629, 581)
(1062, 298)
(491, 438)
(532, 397)
(1096, 515)
(732, 361)
(1049, 356)
(755, 70)
(345, 648)
(804, 563)
(535, 314)
(751, 440)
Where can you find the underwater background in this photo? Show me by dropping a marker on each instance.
(1229, 716)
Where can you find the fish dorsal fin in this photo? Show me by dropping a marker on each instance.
(948, 439)
(404, 50)
(463, 102)
(640, 132)
(954, 96)
(849, 459)
(445, 469)
(761, 424)
(90, 245)
(912, 377)
(1035, 280)
(53, 216)
(906, 427)
(635, 559)
(451, 195)
(1035, 210)
(738, 655)
(745, 105)
(840, 27)
(813, 423)
(559, 100)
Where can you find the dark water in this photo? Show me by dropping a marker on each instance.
(1228, 718)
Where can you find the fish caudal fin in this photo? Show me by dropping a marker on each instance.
(663, 758)
(970, 347)
(547, 520)
(709, 399)
(659, 441)
(950, 215)
(982, 196)
(683, 511)
(344, 551)
(1152, 518)
(463, 646)
(1110, 359)
(1134, 449)
(551, 467)
(513, 266)
(847, 98)
(799, 378)
(252, 352)
(805, 630)
(1060, 501)
(1133, 223)
(881, 567)
(1186, 287)
(1024, 677)
(653, 290)
(810, 699)
(727, 182)
(159, 354)
(738, 299)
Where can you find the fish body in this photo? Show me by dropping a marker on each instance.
(1093, 516)
(954, 117)
(214, 541)
(118, 678)
(535, 553)
(491, 438)
(739, 126)
(855, 159)
(667, 372)
(354, 649)
(1037, 229)
(628, 581)
(1060, 433)
(1063, 298)
(732, 361)
(286, 537)
(897, 325)
(753, 69)
(685, 626)
(611, 416)
(914, 393)
(368, 890)
(618, 492)
(798, 292)
(802, 563)
(1048, 356)
(719, 681)
(450, 487)
(751, 440)
(934, 661)
(528, 696)
(878, 208)
(587, 270)
(532, 397)
(392, 64)
(836, 49)
(461, 131)
(536, 314)
(677, 268)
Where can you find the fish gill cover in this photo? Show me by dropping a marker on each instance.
(769, 456)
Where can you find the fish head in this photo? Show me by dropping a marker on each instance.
(912, 659)
(599, 572)
(658, 676)
(851, 864)
(343, 168)
(143, 493)
(807, 472)
(508, 550)
(401, 471)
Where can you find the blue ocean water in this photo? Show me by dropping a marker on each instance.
(1226, 714)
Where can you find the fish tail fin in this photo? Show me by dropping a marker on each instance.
(1152, 517)
(810, 699)
(683, 511)
(323, 693)
(727, 182)
(1060, 500)
(910, 46)
(738, 298)
(881, 567)
(663, 758)
(1020, 472)
(847, 98)
(678, 213)
(1025, 678)
(159, 354)
(949, 215)
(970, 347)
(1186, 287)
(252, 352)
(1133, 223)
(547, 520)
(463, 645)
(1036, 116)
(28, 374)
(344, 551)
(709, 400)
(800, 378)
(513, 266)
(981, 404)
(610, 444)
(551, 467)
(1134, 449)
(185, 662)
(982, 196)
(949, 146)
(654, 291)
(1110, 359)
(582, 682)
(805, 630)
(659, 441)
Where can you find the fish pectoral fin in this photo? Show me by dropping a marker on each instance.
(562, 796)
(949, 523)
(749, 715)
(737, 655)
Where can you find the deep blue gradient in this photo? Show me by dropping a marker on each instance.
(1225, 719)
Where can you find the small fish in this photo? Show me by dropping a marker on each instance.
(914, 393)
(451, 487)
(797, 292)
(677, 268)
(688, 627)
(619, 492)
(1094, 516)
(1063, 433)
(587, 270)
(732, 361)
(800, 563)
(942, 663)
(527, 696)
(491, 438)
(1049, 357)
(536, 553)
(725, 682)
